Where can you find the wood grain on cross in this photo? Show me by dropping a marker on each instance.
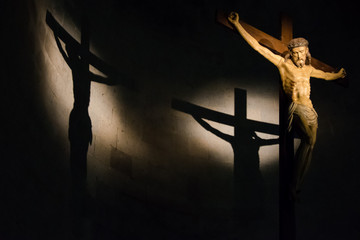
(287, 223)
(287, 228)
(278, 46)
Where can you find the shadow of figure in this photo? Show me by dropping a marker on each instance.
(249, 189)
(80, 133)
(78, 58)
(248, 181)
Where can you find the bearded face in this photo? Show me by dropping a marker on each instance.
(298, 55)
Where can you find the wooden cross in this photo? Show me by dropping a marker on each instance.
(279, 46)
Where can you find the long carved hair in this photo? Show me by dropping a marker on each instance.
(298, 42)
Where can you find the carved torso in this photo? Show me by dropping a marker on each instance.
(296, 81)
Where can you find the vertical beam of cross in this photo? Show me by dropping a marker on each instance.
(78, 57)
(286, 28)
(240, 121)
(85, 38)
(287, 223)
(249, 187)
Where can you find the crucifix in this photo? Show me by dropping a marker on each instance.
(296, 66)
(248, 182)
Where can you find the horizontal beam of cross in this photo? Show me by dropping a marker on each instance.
(114, 77)
(68, 39)
(274, 44)
(223, 118)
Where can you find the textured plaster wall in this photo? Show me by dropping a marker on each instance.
(142, 147)
(140, 144)
(148, 160)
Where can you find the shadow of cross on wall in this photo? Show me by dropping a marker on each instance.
(248, 182)
(79, 58)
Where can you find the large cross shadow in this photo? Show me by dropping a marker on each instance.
(78, 57)
(249, 186)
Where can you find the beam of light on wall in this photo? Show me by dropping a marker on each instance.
(104, 109)
(207, 145)
(57, 84)
(108, 127)
(57, 77)
(262, 105)
(115, 125)
(110, 118)
(269, 155)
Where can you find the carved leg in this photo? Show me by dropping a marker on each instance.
(303, 155)
(307, 158)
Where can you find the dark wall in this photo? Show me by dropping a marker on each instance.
(152, 168)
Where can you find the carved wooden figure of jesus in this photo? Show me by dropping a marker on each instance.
(295, 72)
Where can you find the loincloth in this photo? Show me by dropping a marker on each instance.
(308, 113)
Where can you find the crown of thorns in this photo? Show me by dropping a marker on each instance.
(298, 42)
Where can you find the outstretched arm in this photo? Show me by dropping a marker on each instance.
(316, 73)
(265, 142)
(218, 133)
(66, 58)
(274, 58)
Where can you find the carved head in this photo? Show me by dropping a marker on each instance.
(299, 52)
